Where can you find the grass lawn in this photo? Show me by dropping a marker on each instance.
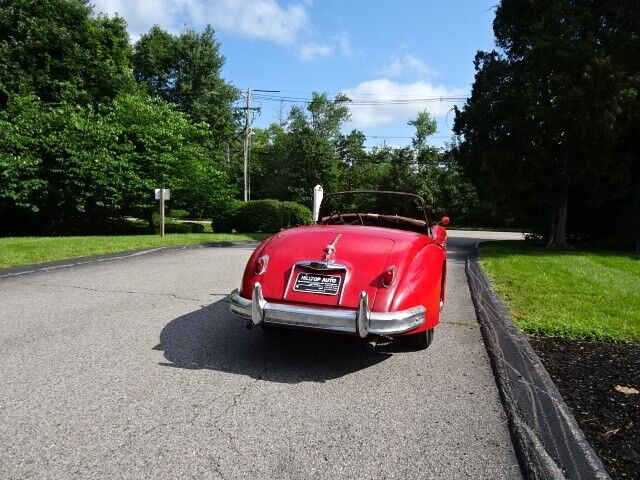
(577, 294)
(16, 251)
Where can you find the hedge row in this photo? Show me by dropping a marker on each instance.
(266, 216)
(186, 227)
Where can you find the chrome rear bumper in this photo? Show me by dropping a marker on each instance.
(361, 322)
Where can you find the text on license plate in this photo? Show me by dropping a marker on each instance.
(313, 283)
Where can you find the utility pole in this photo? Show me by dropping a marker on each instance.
(245, 146)
(248, 120)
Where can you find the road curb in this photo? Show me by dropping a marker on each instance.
(78, 261)
(549, 443)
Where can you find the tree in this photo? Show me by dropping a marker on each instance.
(328, 116)
(302, 154)
(357, 171)
(186, 70)
(425, 127)
(68, 168)
(162, 147)
(539, 126)
(59, 51)
(59, 165)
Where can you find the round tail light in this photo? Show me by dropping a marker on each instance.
(388, 277)
(261, 265)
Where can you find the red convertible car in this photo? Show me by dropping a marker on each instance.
(373, 265)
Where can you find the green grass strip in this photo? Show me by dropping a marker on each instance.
(16, 251)
(577, 294)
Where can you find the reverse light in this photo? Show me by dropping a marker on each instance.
(389, 277)
(261, 265)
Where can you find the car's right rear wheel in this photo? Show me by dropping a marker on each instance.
(421, 340)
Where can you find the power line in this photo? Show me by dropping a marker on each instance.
(364, 102)
(404, 138)
(308, 94)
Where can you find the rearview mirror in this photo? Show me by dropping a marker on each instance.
(444, 221)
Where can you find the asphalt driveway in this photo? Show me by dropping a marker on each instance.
(134, 367)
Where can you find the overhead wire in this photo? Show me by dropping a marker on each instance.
(364, 102)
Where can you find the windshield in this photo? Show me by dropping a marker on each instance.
(374, 207)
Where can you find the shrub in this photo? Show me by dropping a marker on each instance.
(156, 219)
(260, 216)
(224, 215)
(178, 213)
(195, 227)
(177, 228)
(295, 214)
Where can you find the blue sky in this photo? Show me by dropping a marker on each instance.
(383, 53)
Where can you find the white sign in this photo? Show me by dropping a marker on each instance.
(167, 194)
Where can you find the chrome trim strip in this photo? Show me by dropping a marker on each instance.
(361, 322)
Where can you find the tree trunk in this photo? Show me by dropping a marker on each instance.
(149, 214)
(558, 234)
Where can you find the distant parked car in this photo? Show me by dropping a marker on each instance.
(373, 265)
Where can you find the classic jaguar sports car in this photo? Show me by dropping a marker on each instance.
(373, 265)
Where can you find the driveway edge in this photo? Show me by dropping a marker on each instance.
(548, 441)
(77, 261)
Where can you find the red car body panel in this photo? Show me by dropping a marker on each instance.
(419, 260)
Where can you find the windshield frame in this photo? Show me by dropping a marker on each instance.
(426, 210)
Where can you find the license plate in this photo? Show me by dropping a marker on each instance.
(314, 283)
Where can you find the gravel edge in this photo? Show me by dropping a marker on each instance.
(548, 441)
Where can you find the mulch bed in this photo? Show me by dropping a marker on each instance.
(587, 374)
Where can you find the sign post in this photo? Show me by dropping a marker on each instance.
(162, 194)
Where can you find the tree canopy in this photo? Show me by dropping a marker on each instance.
(82, 143)
(57, 50)
(547, 113)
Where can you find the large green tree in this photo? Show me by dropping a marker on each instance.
(539, 129)
(67, 168)
(185, 69)
(288, 161)
(59, 50)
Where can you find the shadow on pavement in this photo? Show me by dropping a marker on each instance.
(213, 338)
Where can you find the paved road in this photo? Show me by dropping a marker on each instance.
(134, 367)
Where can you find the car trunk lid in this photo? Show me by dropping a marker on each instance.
(326, 267)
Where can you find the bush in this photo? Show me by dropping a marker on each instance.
(178, 213)
(260, 216)
(266, 216)
(295, 214)
(224, 215)
(195, 227)
(177, 228)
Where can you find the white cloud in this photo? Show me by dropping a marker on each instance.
(408, 66)
(340, 44)
(260, 19)
(343, 43)
(387, 101)
(337, 44)
(313, 51)
(141, 15)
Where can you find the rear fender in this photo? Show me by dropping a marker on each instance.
(422, 284)
(249, 278)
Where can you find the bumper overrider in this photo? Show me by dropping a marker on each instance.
(361, 322)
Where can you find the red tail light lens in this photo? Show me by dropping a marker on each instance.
(261, 265)
(388, 277)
